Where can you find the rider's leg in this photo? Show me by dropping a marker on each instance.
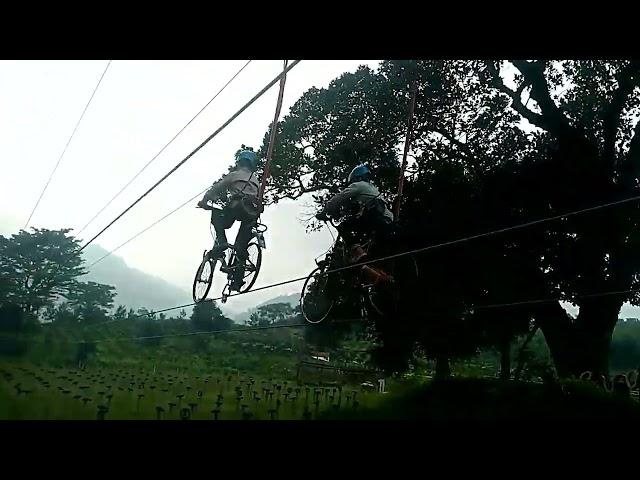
(242, 240)
(221, 220)
(380, 229)
(350, 230)
(383, 229)
(346, 229)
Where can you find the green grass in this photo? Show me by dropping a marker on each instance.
(51, 403)
(490, 399)
(180, 365)
(175, 366)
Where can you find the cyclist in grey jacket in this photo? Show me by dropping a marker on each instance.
(241, 185)
(366, 211)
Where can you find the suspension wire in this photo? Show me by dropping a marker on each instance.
(184, 160)
(163, 148)
(149, 227)
(211, 332)
(65, 147)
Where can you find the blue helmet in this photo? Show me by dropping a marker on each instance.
(248, 157)
(360, 173)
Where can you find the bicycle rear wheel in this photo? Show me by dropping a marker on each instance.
(384, 298)
(251, 266)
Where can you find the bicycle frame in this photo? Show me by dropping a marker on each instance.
(257, 230)
(228, 261)
(365, 245)
(343, 254)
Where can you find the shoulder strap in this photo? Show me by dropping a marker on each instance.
(247, 182)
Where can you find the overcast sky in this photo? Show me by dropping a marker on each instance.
(138, 107)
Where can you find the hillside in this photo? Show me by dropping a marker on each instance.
(242, 317)
(134, 288)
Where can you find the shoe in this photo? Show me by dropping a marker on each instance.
(227, 269)
(219, 249)
(357, 253)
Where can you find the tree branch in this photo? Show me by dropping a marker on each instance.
(552, 117)
(303, 190)
(628, 78)
(633, 155)
(295, 196)
(534, 118)
(304, 147)
(469, 154)
(455, 141)
(630, 167)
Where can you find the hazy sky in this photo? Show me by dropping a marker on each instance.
(138, 107)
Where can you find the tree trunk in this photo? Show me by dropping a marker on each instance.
(520, 361)
(443, 370)
(505, 360)
(557, 327)
(597, 319)
(582, 345)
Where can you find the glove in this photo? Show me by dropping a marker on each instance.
(322, 216)
(202, 204)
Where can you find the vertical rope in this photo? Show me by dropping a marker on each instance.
(272, 137)
(407, 144)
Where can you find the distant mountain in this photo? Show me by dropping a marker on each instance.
(134, 288)
(242, 317)
(291, 299)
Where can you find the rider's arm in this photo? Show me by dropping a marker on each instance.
(333, 205)
(217, 188)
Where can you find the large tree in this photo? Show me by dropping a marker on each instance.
(588, 111)
(207, 316)
(270, 314)
(92, 301)
(39, 266)
(474, 168)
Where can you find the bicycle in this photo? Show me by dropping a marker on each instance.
(376, 287)
(228, 258)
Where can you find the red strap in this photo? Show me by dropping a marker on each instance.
(272, 137)
(407, 144)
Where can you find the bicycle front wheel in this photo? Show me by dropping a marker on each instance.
(314, 303)
(203, 279)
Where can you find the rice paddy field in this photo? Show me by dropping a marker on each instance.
(243, 376)
(41, 393)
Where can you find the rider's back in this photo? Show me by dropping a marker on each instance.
(243, 180)
(240, 180)
(360, 192)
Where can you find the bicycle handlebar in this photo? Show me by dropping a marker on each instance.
(206, 206)
(330, 221)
